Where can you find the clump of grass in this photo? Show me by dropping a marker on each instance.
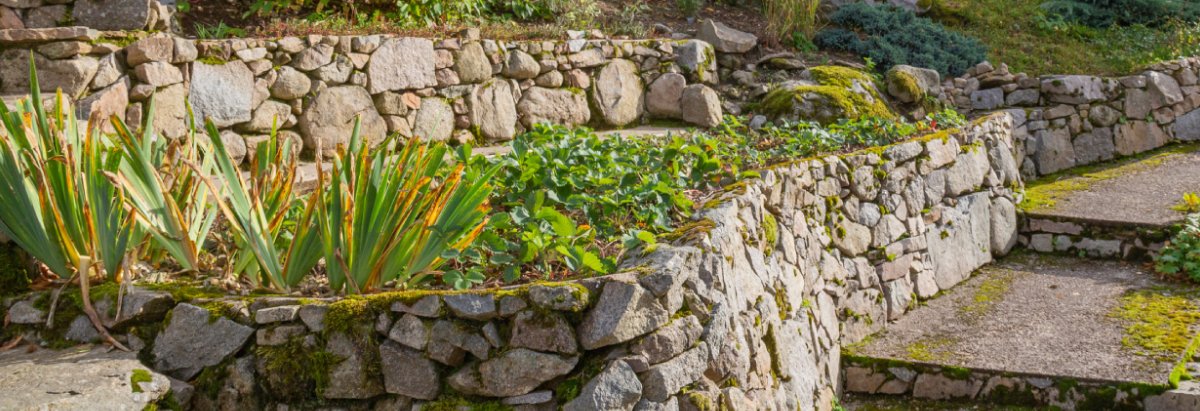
(931, 349)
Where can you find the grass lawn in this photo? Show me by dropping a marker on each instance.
(1016, 33)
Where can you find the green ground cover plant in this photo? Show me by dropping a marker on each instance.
(890, 35)
(1027, 37)
(1105, 13)
(1181, 255)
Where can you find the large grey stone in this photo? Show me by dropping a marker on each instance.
(350, 378)
(1004, 226)
(701, 106)
(407, 372)
(158, 74)
(554, 106)
(192, 341)
(623, 312)
(410, 331)
(1096, 145)
(290, 84)
(1054, 150)
(663, 380)
(964, 242)
(479, 307)
(911, 84)
(70, 75)
(558, 297)
(78, 380)
(543, 331)
(48, 34)
(988, 99)
(1073, 89)
(157, 48)
(663, 98)
(434, 120)
(269, 115)
(494, 110)
(669, 341)
(221, 93)
(521, 66)
(314, 57)
(24, 312)
(329, 120)
(514, 372)
(726, 39)
(698, 59)
(617, 93)
(615, 388)
(1187, 126)
(401, 64)
(112, 14)
(1138, 136)
(170, 111)
(471, 63)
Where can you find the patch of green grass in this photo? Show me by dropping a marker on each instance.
(931, 349)
(1018, 33)
(990, 292)
(138, 377)
(1044, 193)
(1159, 322)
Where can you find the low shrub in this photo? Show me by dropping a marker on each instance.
(1182, 253)
(792, 19)
(1104, 13)
(889, 35)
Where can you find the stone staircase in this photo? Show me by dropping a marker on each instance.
(1077, 321)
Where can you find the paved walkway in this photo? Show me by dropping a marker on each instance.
(1138, 193)
(1033, 314)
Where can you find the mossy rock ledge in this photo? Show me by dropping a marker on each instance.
(826, 94)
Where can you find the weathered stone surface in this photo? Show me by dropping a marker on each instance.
(314, 57)
(1073, 89)
(410, 331)
(407, 372)
(23, 312)
(663, 98)
(617, 93)
(1094, 146)
(988, 99)
(494, 110)
(479, 307)
(615, 388)
(290, 84)
(94, 379)
(701, 106)
(112, 14)
(561, 298)
(853, 238)
(471, 63)
(401, 64)
(460, 336)
(284, 313)
(515, 372)
(669, 341)
(329, 121)
(158, 74)
(624, 312)
(157, 48)
(1054, 150)
(726, 39)
(350, 378)
(71, 75)
(170, 111)
(539, 331)
(191, 342)
(1185, 397)
(1004, 226)
(1138, 136)
(269, 115)
(938, 387)
(1187, 126)
(278, 335)
(521, 66)
(435, 120)
(697, 58)
(911, 84)
(964, 242)
(48, 34)
(428, 306)
(223, 93)
(665, 379)
(555, 106)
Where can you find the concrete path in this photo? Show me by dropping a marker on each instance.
(1132, 193)
(1035, 314)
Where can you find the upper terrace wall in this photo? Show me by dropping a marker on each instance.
(96, 14)
(463, 88)
(1073, 120)
(747, 307)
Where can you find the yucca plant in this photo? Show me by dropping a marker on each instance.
(271, 248)
(389, 216)
(163, 183)
(58, 204)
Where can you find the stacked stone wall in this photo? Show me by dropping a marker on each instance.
(464, 88)
(96, 14)
(746, 307)
(1064, 121)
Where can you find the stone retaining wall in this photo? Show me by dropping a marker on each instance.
(1047, 234)
(464, 88)
(96, 14)
(1072, 120)
(745, 307)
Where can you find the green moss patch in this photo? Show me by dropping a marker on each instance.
(138, 377)
(990, 292)
(931, 349)
(1159, 322)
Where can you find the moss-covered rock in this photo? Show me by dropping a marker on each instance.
(826, 95)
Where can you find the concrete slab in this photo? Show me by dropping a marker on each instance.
(1130, 193)
(1036, 314)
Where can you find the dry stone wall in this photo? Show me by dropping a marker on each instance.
(1073, 120)
(96, 14)
(313, 88)
(746, 307)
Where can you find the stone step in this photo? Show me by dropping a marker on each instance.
(1039, 330)
(77, 379)
(1117, 210)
